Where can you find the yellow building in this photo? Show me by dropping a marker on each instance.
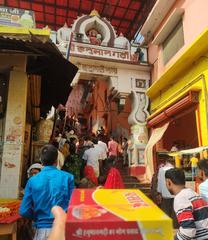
(179, 98)
(178, 94)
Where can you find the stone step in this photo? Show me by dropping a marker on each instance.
(129, 179)
(131, 182)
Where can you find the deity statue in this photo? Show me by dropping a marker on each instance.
(63, 37)
(121, 42)
(94, 36)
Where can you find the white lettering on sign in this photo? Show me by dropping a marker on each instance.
(105, 232)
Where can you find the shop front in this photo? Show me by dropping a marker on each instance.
(179, 105)
(29, 70)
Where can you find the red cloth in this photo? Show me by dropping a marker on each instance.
(114, 180)
(10, 219)
(90, 174)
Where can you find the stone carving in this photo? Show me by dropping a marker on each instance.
(63, 37)
(121, 42)
(137, 119)
(141, 114)
(139, 108)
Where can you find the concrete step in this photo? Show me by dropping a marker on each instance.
(131, 182)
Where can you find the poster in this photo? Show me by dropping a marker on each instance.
(16, 17)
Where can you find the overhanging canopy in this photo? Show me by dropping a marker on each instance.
(44, 59)
(127, 16)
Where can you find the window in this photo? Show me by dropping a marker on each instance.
(173, 42)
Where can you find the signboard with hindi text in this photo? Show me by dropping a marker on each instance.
(16, 17)
(121, 214)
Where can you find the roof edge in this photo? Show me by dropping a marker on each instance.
(156, 16)
(25, 31)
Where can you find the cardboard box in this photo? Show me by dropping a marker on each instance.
(126, 214)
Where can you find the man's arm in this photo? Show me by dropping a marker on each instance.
(109, 146)
(184, 213)
(203, 192)
(159, 187)
(26, 208)
(71, 185)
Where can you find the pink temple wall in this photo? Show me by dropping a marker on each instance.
(73, 103)
(115, 123)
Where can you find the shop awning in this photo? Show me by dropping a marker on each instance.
(189, 151)
(156, 135)
(44, 59)
(186, 103)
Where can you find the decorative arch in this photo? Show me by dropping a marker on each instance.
(84, 23)
(98, 24)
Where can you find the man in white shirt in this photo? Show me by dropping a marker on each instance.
(93, 157)
(166, 198)
(203, 172)
(104, 146)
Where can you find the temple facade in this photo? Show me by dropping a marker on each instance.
(109, 88)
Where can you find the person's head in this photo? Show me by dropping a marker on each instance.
(86, 183)
(114, 180)
(203, 168)
(49, 155)
(73, 140)
(87, 138)
(100, 137)
(34, 169)
(170, 160)
(101, 180)
(55, 144)
(112, 138)
(95, 140)
(81, 141)
(175, 180)
(125, 139)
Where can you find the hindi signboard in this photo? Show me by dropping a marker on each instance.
(16, 17)
(121, 214)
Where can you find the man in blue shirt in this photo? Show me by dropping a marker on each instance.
(203, 171)
(48, 188)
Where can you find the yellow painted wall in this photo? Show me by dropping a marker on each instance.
(196, 77)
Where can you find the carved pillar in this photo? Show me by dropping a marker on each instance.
(137, 120)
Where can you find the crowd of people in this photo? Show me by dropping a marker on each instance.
(67, 163)
(90, 162)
